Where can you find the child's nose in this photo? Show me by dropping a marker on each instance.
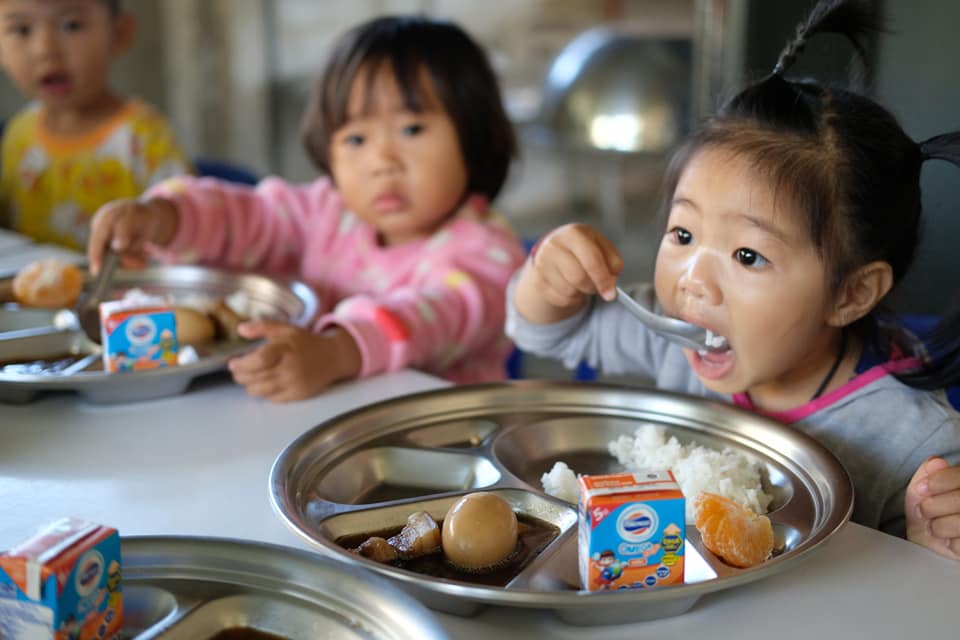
(699, 279)
(45, 42)
(386, 158)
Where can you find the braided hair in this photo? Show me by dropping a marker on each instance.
(848, 165)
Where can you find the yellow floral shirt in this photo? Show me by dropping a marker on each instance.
(52, 185)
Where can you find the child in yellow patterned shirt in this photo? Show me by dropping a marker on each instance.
(79, 145)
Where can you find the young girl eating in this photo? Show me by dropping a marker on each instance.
(408, 260)
(790, 217)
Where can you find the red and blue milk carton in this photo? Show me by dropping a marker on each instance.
(62, 584)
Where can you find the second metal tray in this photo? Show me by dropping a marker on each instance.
(290, 301)
(188, 588)
(367, 470)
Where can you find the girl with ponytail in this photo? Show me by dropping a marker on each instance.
(791, 215)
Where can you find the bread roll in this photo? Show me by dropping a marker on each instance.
(49, 283)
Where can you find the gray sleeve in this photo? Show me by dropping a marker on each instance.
(602, 334)
(943, 441)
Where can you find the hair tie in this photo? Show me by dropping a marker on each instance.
(924, 153)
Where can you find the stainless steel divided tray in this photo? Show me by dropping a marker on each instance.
(195, 588)
(367, 470)
(50, 335)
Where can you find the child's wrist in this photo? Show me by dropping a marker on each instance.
(167, 218)
(347, 361)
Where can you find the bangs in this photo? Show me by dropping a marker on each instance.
(801, 170)
(404, 65)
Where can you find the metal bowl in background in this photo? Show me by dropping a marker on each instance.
(612, 89)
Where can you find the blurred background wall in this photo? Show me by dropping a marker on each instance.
(233, 76)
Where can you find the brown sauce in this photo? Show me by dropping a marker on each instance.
(244, 633)
(533, 536)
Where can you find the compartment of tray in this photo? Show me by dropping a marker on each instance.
(261, 615)
(559, 569)
(543, 522)
(203, 588)
(145, 607)
(460, 434)
(382, 474)
(29, 336)
(530, 450)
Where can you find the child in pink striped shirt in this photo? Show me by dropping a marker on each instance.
(410, 264)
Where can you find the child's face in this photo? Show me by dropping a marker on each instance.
(737, 260)
(59, 51)
(401, 172)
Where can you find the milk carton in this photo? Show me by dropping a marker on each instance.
(62, 584)
(138, 334)
(631, 531)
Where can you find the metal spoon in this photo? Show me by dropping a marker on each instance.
(88, 313)
(683, 333)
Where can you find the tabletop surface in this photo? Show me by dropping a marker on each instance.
(198, 464)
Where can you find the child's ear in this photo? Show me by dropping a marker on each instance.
(124, 32)
(861, 292)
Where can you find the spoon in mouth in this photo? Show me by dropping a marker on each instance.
(677, 331)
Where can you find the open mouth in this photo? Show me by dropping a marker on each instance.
(55, 83)
(716, 344)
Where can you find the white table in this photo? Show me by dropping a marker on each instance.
(198, 464)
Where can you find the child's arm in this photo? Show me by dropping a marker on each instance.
(224, 224)
(128, 227)
(932, 507)
(565, 269)
(260, 228)
(450, 314)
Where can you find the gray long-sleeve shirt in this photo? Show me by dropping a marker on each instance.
(880, 429)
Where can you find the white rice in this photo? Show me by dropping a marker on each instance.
(561, 482)
(728, 473)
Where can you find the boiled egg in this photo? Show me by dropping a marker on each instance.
(479, 532)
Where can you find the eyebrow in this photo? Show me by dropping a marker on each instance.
(763, 225)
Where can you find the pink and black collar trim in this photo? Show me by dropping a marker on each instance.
(856, 383)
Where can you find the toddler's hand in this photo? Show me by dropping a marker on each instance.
(933, 507)
(127, 226)
(294, 363)
(576, 261)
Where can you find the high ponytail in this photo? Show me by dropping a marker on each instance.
(853, 19)
(942, 370)
(943, 147)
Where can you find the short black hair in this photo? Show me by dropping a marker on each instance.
(462, 77)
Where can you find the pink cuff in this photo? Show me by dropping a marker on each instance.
(373, 345)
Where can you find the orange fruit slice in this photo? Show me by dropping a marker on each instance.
(731, 531)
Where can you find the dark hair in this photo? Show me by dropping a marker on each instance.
(845, 161)
(462, 78)
(113, 6)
